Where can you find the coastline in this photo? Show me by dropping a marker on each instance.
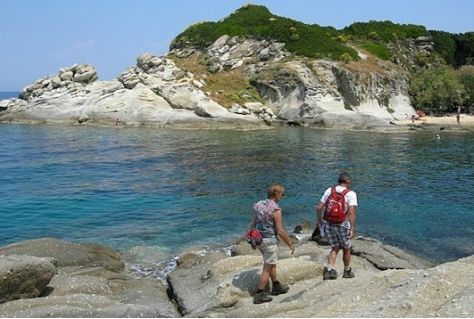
(467, 121)
(431, 123)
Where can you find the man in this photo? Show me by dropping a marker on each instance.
(339, 234)
(267, 218)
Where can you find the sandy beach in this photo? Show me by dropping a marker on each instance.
(467, 121)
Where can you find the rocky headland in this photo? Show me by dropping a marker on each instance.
(161, 91)
(52, 278)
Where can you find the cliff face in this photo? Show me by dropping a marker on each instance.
(171, 90)
(308, 91)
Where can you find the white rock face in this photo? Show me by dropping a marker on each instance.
(156, 92)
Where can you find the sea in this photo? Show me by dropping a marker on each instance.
(8, 95)
(154, 192)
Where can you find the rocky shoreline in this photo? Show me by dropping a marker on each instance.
(49, 277)
(161, 91)
(156, 91)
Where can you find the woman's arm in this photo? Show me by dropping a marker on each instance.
(280, 231)
(253, 221)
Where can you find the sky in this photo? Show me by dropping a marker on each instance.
(39, 37)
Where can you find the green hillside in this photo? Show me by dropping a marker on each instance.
(257, 21)
(449, 67)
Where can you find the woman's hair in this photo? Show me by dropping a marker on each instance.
(275, 189)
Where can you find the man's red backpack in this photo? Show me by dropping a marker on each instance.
(335, 211)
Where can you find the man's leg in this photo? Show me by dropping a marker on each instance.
(329, 271)
(346, 258)
(332, 256)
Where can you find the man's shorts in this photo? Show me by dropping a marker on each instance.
(269, 251)
(337, 235)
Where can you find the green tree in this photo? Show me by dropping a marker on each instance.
(436, 89)
(464, 48)
(466, 77)
(445, 45)
(385, 30)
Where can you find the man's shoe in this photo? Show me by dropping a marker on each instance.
(329, 274)
(261, 297)
(279, 289)
(348, 273)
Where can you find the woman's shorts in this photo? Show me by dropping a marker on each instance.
(269, 251)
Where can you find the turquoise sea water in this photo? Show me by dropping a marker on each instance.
(170, 189)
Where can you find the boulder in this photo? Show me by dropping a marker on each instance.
(67, 253)
(386, 257)
(24, 276)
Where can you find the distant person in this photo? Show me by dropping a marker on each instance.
(117, 122)
(267, 218)
(338, 235)
(458, 118)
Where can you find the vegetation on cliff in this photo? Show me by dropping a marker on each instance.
(441, 71)
(257, 21)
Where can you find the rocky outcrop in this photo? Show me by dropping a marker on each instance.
(90, 281)
(53, 278)
(155, 91)
(24, 276)
(220, 286)
(305, 91)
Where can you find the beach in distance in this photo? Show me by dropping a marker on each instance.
(466, 120)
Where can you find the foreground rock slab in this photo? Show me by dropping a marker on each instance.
(216, 286)
(63, 279)
(76, 280)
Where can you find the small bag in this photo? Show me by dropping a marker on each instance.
(254, 238)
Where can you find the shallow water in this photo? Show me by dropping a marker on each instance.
(169, 189)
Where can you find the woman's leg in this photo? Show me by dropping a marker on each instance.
(267, 272)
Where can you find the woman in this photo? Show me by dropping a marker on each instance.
(267, 218)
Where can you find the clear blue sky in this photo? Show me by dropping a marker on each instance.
(38, 37)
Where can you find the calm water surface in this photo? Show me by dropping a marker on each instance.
(169, 189)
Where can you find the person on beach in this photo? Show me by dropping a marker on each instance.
(267, 218)
(339, 234)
